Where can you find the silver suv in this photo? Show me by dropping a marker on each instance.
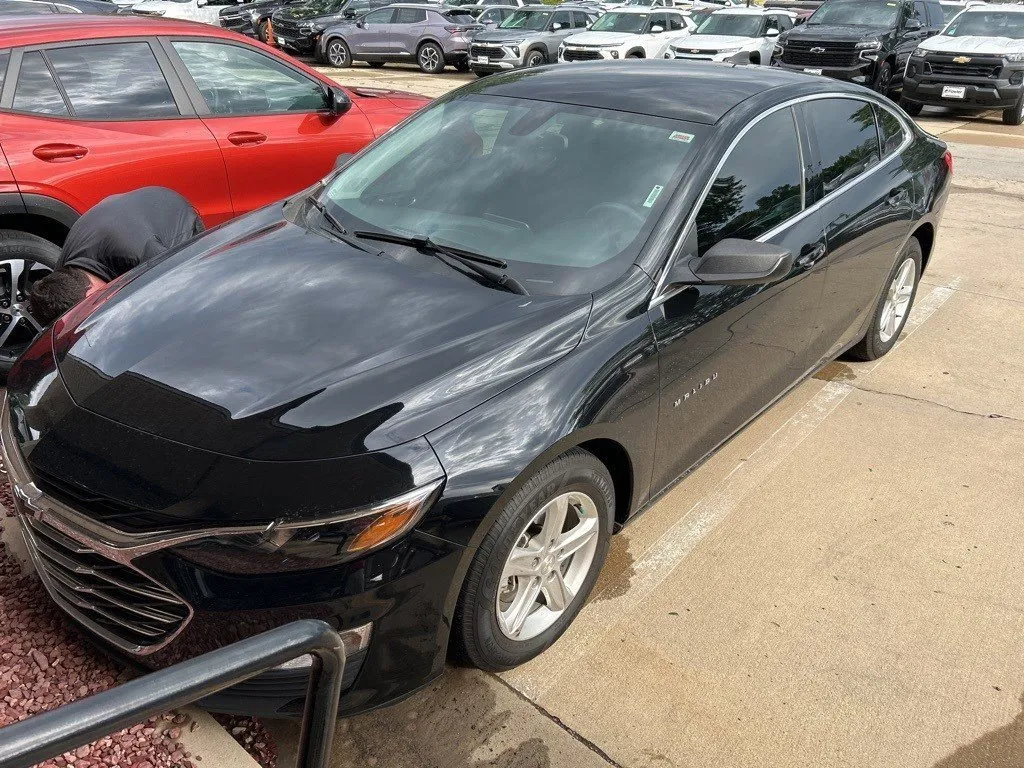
(528, 38)
(430, 36)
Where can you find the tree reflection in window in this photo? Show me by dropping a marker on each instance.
(847, 139)
(758, 187)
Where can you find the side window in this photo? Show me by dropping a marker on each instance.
(758, 188)
(847, 139)
(579, 19)
(770, 22)
(936, 18)
(675, 21)
(5, 58)
(383, 16)
(113, 81)
(410, 16)
(891, 130)
(785, 22)
(36, 90)
(563, 18)
(241, 81)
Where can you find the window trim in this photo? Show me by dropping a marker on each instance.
(185, 109)
(661, 294)
(198, 101)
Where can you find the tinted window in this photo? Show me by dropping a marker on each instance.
(847, 139)
(563, 18)
(579, 18)
(36, 90)
(758, 187)
(379, 17)
(935, 16)
(410, 15)
(24, 9)
(113, 81)
(675, 21)
(241, 81)
(891, 130)
(4, 59)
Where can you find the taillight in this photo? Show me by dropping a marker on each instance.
(453, 30)
(948, 160)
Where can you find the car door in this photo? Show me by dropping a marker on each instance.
(866, 208)
(554, 38)
(726, 351)
(119, 120)
(269, 118)
(407, 29)
(371, 34)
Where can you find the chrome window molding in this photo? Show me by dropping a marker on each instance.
(661, 295)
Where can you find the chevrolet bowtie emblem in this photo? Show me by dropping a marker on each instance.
(817, 49)
(695, 50)
(961, 59)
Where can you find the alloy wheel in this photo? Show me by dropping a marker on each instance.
(897, 301)
(547, 565)
(336, 54)
(429, 58)
(17, 327)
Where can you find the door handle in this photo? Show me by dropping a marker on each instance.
(246, 138)
(56, 153)
(896, 196)
(811, 257)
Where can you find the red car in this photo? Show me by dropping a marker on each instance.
(104, 104)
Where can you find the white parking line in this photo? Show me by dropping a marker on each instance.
(655, 565)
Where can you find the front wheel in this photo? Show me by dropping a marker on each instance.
(1014, 115)
(338, 54)
(536, 58)
(430, 58)
(912, 108)
(264, 32)
(24, 258)
(537, 564)
(462, 65)
(883, 79)
(893, 308)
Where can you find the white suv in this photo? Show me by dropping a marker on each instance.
(627, 33)
(735, 36)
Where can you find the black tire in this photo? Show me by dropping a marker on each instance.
(263, 32)
(462, 65)
(912, 108)
(634, 55)
(376, 64)
(535, 58)
(872, 347)
(477, 637)
(32, 249)
(430, 57)
(337, 53)
(480, 73)
(1014, 115)
(883, 79)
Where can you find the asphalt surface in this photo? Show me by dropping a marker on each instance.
(839, 586)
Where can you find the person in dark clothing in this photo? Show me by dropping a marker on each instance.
(116, 235)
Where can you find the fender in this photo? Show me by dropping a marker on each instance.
(50, 208)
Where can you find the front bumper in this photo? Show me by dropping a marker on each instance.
(297, 42)
(240, 24)
(724, 57)
(575, 53)
(495, 57)
(978, 92)
(183, 608)
(862, 73)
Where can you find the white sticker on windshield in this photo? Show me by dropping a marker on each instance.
(686, 138)
(651, 198)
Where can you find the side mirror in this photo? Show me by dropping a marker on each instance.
(743, 262)
(656, 29)
(771, 32)
(338, 102)
(202, 3)
(912, 25)
(556, 26)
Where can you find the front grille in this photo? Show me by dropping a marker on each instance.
(975, 68)
(99, 507)
(799, 53)
(581, 54)
(129, 608)
(490, 51)
(693, 53)
(289, 28)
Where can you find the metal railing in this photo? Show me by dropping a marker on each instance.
(66, 728)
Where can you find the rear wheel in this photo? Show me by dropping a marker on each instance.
(536, 58)
(893, 308)
(430, 57)
(24, 258)
(1014, 115)
(537, 564)
(338, 54)
(912, 108)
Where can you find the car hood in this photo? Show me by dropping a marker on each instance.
(714, 42)
(500, 35)
(600, 38)
(844, 33)
(973, 44)
(302, 13)
(264, 340)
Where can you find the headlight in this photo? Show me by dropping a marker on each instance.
(255, 16)
(515, 51)
(918, 54)
(615, 54)
(868, 45)
(669, 55)
(297, 545)
(1014, 57)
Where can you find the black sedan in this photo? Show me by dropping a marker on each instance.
(417, 400)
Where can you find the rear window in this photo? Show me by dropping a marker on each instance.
(847, 139)
(36, 90)
(890, 130)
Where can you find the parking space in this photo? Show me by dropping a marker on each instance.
(839, 586)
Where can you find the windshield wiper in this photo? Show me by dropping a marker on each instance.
(336, 228)
(468, 259)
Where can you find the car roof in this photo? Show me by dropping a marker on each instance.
(997, 7)
(747, 11)
(699, 92)
(28, 30)
(646, 10)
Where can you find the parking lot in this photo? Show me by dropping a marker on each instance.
(839, 586)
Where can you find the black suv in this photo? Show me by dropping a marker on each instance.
(253, 18)
(297, 27)
(863, 41)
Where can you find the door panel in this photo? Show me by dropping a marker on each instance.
(374, 37)
(273, 130)
(728, 351)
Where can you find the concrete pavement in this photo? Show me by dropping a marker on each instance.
(839, 586)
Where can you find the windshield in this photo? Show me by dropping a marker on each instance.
(640, 3)
(534, 20)
(856, 13)
(323, 6)
(735, 24)
(621, 22)
(515, 179)
(987, 24)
